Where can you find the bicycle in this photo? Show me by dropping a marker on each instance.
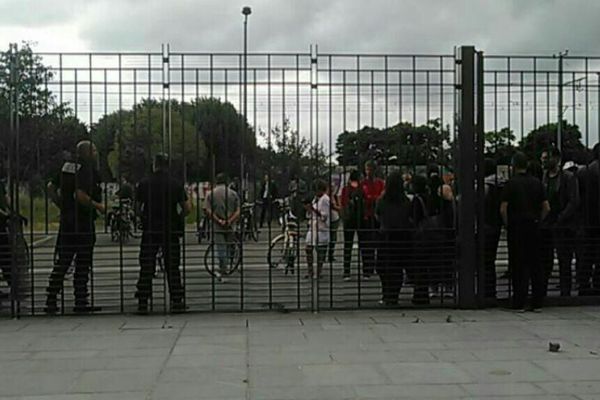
(282, 250)
(203, 232)
(248, 222)
(232, 263)
(122, 222)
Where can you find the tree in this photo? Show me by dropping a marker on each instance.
(47, 129)
(545, 136)
(132, 137)
(287, 153)
(402, 144)
(202, 131)
(500, 145)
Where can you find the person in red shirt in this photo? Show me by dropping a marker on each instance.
(372, 188)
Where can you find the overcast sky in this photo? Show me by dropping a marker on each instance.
(424, 26)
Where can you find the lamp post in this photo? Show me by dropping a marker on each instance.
(246, 11)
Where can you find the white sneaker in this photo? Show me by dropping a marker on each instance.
(346, 279)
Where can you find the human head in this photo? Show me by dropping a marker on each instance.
(221, 178)
(160, 162)
(519, 162)
(419, 184)
(370, 167)
(447, 175)
(86, 151)
(596, 151)
(394, 186)
(320, 187)
(354, 176)
(489, 166)
(550, 158)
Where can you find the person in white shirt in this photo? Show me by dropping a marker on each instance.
(318, 235)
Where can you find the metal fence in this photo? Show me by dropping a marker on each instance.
(296, 106)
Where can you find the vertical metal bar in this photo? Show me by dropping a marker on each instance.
(400, 97)
(297, 160)
(270, 272)
(466, 162)
(185, 180)
(358, 261)
(372, 98)
(587, 104)
(534, 92)
(547, 98)
(385, 83)
(522, 88)
(574, 96)
(120, 141)
(332, 190)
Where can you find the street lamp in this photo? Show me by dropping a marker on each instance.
(246, 11)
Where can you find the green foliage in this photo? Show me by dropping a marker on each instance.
(402, 144)
(46, 128)
(200, 131)
(545, 136)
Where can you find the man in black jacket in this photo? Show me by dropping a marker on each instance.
(558, 229)
(588, 256)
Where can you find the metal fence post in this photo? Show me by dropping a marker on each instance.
(469, 122)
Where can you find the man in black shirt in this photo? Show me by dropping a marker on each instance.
(79, 196)
(588, 252)
(522, 208)
(163, 204)
(559, 227)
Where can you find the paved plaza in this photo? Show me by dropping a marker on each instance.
(377, 354)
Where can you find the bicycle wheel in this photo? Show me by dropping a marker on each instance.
(281, 252)
(211, 261)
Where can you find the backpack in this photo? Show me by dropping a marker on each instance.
(354, 211)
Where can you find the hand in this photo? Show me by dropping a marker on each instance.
(100, 207)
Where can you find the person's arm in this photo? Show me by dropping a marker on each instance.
(53, 194)
(545, 210)
(574, 199)
(236, 214)
(504, 212)
(86, 200)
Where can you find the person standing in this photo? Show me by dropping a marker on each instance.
(523, 207)
(223, 210)
(80, 199)
(335, 223)
(420, 263)
(163, 204)
(353, 209)
(319, 230)
(372, 188)
(393, 212)
(493, 187)
(588, 252)
(268, 193)
(559, 227)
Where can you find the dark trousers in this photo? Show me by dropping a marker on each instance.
(266, 208)
(152, 242)
(5, 259)
(588, 261)
(524, 246)
(333, 230)
(367, 239)
(351, 229)
(393, 254)
(72, 246)
(491, 240)
(563, 241)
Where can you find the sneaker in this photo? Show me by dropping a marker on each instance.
(366, 277)
(307, 276)
(521, 311)
(347, 278)
(534, 310)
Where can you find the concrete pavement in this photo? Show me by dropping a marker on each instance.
(450, 354)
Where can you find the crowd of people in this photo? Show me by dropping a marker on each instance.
(404, 227)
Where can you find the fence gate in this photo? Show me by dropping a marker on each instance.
(293, 117)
